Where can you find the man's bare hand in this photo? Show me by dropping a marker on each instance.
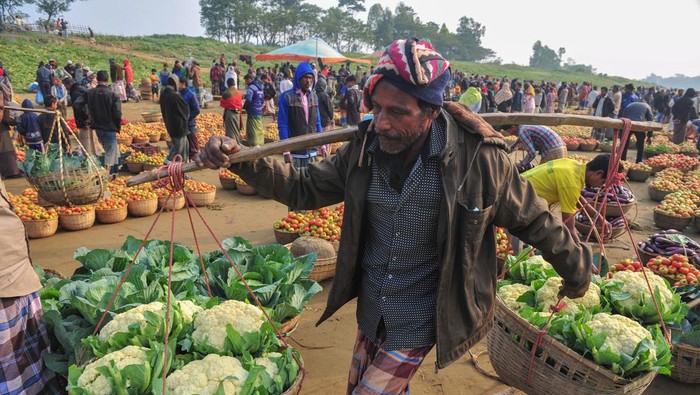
(215, 153)
(287, 157)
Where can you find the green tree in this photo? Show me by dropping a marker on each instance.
(10, 9)
(406, 21)
(352, 5)
(546, 58)
(53, 8)
(380, 24)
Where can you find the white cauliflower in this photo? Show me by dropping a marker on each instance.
(210, 325)
(548, 296)
(93, 381)
(538, 259)
(189, 310)
(509, 294)
(204, 376)
(122, 321)
(636, 286)
(623, 334)
(270, 366)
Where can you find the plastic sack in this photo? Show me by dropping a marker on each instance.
(33, 87)
(39, 99)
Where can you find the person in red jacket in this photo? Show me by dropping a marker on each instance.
(129, 76)
(232, 103)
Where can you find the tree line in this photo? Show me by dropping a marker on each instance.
(283, 22)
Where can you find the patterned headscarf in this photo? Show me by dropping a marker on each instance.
(413, 66)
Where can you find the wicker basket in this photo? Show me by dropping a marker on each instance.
(323, 269)
(295, 388)
(613, 210)
(584, 229)
(149, 167)
(556, 368)
(605, 147)
(587, 147)
(664, 221)
(152, 117)
(646, 256)
(41, 228)
(123, 139)
(142, 208)
(79, 221)
(646, 154)
(227, 183)
(54, 273)
(285, 238)
(111, 216)
(638, 175)
(134, 168)
(573, 147)
(657, 195)
(290, 325)
(78, 187)
(167, 202)
(154, 138)
(686, 363)
(245, 189)
(656, 169)
(140, 140)
(146, 148)
(202, 199)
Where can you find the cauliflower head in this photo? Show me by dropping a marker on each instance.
(538, 259)
(270, 366)
(93, 381)
(623, 334)
(210, 325)
(122, 321)
(203, 377)
(634, 284)
(509, 294)
(547, 296)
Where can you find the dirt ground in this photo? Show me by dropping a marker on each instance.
(326, 349)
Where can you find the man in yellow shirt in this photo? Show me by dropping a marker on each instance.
(561, 180)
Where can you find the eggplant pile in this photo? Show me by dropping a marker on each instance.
(624, 194)
(669, 242)
(615, 222)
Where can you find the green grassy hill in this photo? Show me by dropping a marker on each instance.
(21, 52)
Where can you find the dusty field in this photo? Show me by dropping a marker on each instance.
(326, 349)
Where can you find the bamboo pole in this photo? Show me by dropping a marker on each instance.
(341, 135)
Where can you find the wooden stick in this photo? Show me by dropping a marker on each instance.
(29, 110)
(340, 135)
(498, 118)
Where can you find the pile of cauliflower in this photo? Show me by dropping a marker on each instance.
(622, 334)
(204, 377)
(511, 292)
(121, 322)
(92, 380)
(547, 296)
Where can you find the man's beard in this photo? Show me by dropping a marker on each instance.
(401, 149)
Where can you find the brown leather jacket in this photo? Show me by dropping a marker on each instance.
(482, 190)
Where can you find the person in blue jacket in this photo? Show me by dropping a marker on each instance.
(299, 114)
(254, 100)
(193, 104)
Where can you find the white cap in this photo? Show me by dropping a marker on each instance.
(69, 62)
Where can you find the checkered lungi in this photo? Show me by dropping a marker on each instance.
(376, 371)
(23, 342)
(555, 153)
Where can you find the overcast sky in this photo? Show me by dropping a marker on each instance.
(631, 38)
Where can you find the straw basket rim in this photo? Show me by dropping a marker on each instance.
(179, 202)
(686, 363)
(290, 325)
(40, 228)
(324, 269)
(656, 194)
(665, 222)
(573, 147)
(245, 189)
(227, 183)
(638, 175)
(77, 221)
(295, 388)
(112, 215)
(134, 167)
(587, 147)
(284, 237)
(613, 210)
(556, 369)
(142, 207)
(605, 147)
(202, 199)
(585, 228)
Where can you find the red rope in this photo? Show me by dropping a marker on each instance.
(540, 335)
(196, 242)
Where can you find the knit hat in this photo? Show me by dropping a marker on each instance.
(413, 66)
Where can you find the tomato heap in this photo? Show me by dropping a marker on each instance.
(137, 157)
(271, 132)
(21, 154)
(225, 173)
(138, 194)
(74, 210)
(27, 210)
(626, 264)
(589, 141)
(123, 149)
(668, 180)
(678, 161)
(324, 223)
(640, 166)
(571, 131)
(677, 268)
(110, 203)
(503, 246)
(571, 140)
(678, 204)
(198, 186)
